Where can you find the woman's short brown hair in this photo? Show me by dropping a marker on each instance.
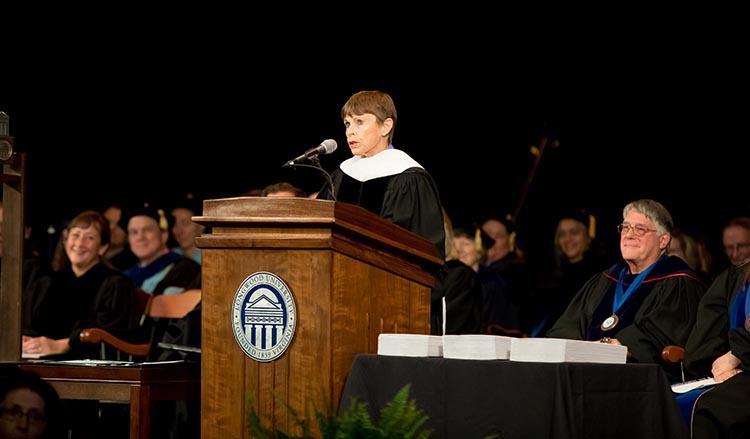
(89, 217)
(374, 102)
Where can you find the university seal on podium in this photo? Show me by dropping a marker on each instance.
(264, 316)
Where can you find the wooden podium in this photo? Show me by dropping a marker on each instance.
(353, 275)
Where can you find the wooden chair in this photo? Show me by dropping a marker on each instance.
(175, 306)
(672, 355)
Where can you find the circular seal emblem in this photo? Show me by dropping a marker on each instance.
(264, 316)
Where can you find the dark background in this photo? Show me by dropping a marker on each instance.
(662, 126)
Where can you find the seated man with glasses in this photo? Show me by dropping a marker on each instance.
(29, 408)
(736, 240)
(647, 301)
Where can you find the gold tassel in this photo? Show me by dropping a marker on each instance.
(477, 239)
(163, 223)
(592, 226)
(478, 242)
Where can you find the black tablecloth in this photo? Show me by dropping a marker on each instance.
(468, 399)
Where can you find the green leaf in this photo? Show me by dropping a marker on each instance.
(399, 419)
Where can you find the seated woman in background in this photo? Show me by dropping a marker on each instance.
(693, 253)
(576, 260)
(457, 290)
(499, 313)
(476, 299)
(85, 293)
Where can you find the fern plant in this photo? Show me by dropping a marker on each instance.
(399, 419)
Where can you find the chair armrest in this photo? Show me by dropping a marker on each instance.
(96, 335)
(672, 354)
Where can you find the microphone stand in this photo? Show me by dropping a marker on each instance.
(317, 166)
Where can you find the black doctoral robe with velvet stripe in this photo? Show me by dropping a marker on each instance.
(723, 411)
(711, 336)
(660, 313)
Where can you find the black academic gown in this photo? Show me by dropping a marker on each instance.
(185, 273)
(660, 313)
(61, 305)
(555, 290)
(723, 411)
(409, 199)
(515, 273)
(711, 336)
(463, 293)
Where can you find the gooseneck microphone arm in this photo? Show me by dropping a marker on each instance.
(316, 166)
(311, 155)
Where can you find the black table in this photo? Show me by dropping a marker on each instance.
(468, 399)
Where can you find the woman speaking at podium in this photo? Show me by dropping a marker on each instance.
(381, 178)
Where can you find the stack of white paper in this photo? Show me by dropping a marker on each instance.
(410, 345)
(476, 347)
(558, 350)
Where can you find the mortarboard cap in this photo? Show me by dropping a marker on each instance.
(149, 210)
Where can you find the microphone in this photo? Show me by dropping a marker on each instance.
(326, 147)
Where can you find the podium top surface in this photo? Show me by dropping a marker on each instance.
(288, 213)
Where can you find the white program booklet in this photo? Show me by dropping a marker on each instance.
(559, 350)
(27, 355)
(476, 347)
(690, 385)
(410, 345)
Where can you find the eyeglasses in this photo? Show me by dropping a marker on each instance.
(637, 229)
(740, 247)
(16, 413)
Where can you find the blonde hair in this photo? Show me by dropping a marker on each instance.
(450, 250)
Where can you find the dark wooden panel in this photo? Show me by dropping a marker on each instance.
(244, 241)
(398, 264)
(223, 375)
(265, 384)
(11, 275)
(280, 390)
(368, 301)
(273, 232)
(401, 264)
(308, 276)
(271, 209)
(419, 309)
(105, 391)
(352, 318)
(153, 374)
(140, 414)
